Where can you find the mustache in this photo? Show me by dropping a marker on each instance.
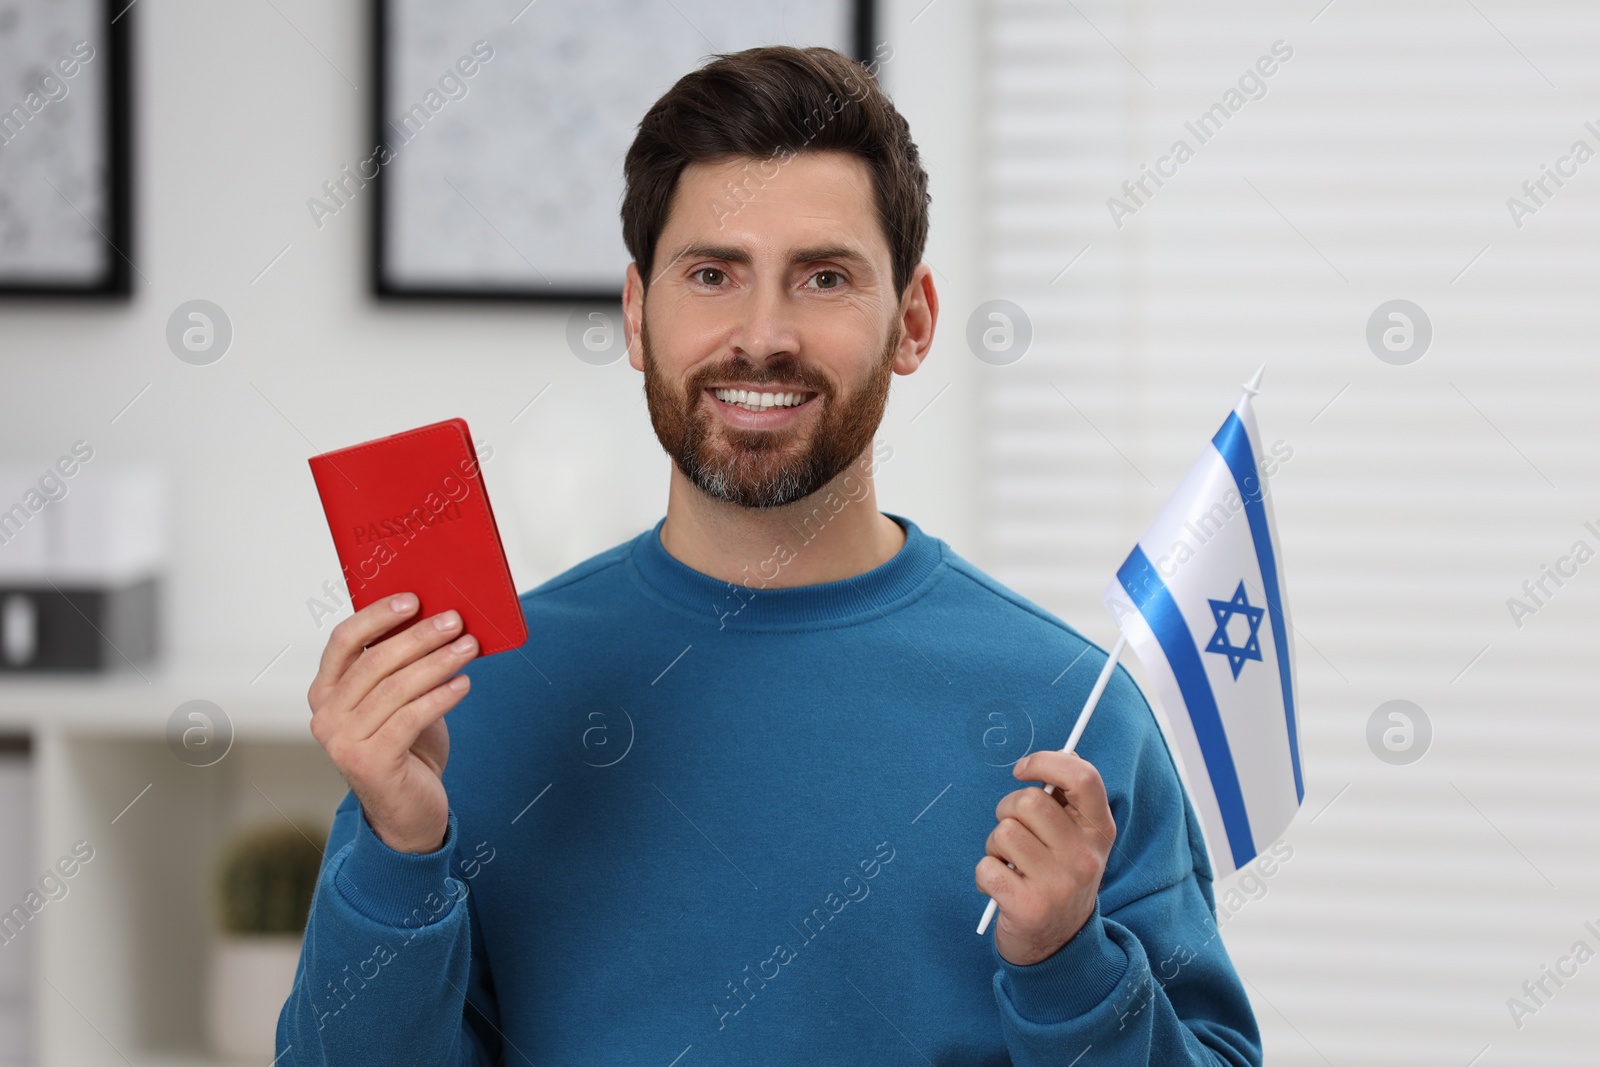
(781, 375)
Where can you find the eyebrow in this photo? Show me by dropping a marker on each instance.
(731, 254)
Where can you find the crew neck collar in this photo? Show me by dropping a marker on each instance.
(734, 606)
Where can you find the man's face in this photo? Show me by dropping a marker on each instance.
(772, 278)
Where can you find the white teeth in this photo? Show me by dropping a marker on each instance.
(758, 401)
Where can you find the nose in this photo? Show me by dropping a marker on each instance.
(767, 329)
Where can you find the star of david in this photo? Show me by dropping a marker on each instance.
(1224, 611)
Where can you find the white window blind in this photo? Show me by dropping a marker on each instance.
(1375, 163)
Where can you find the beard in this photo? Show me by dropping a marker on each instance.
(765, 468)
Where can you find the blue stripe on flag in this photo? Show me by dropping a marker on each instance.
(1154, 601)
(1234, 444)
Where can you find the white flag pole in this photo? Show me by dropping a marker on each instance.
(1072, 742)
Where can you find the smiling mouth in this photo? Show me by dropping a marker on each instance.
(758, 400)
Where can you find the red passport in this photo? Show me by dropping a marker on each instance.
(410, 513)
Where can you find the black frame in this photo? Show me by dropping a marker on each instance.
(117, 281)
(865, 22)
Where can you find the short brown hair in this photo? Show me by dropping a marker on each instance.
(772, 103)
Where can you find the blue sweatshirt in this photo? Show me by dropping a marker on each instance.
(693, 822)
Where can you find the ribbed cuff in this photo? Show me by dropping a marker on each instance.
(403, 889)
(1070, 982)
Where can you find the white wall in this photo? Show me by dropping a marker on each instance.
(242, 112)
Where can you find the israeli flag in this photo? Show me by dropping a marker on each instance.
(1201, 599)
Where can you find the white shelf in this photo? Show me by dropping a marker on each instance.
(137, 704)
(120, 961)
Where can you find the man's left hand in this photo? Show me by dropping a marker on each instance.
(1058, 842)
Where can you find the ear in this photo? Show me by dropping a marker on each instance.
(633, 316)
(919, 312)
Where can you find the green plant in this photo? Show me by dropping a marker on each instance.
(266, 879)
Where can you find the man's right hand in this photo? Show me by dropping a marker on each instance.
(379, 714)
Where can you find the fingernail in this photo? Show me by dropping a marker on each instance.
(462, 643)
(402, 603)
(448, 620)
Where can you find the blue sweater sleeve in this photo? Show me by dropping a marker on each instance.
(392, 967)
(1102, 990)
(1147, 980)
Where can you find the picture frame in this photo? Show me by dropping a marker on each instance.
(465, 205)
(66, 225)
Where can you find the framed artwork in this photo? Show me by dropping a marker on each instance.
(500, 126)
(65, 219)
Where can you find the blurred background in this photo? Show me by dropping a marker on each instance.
(1392, 207)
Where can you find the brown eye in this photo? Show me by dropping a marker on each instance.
(830, 274)
(710, 270)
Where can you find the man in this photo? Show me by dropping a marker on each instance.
(735, 800)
